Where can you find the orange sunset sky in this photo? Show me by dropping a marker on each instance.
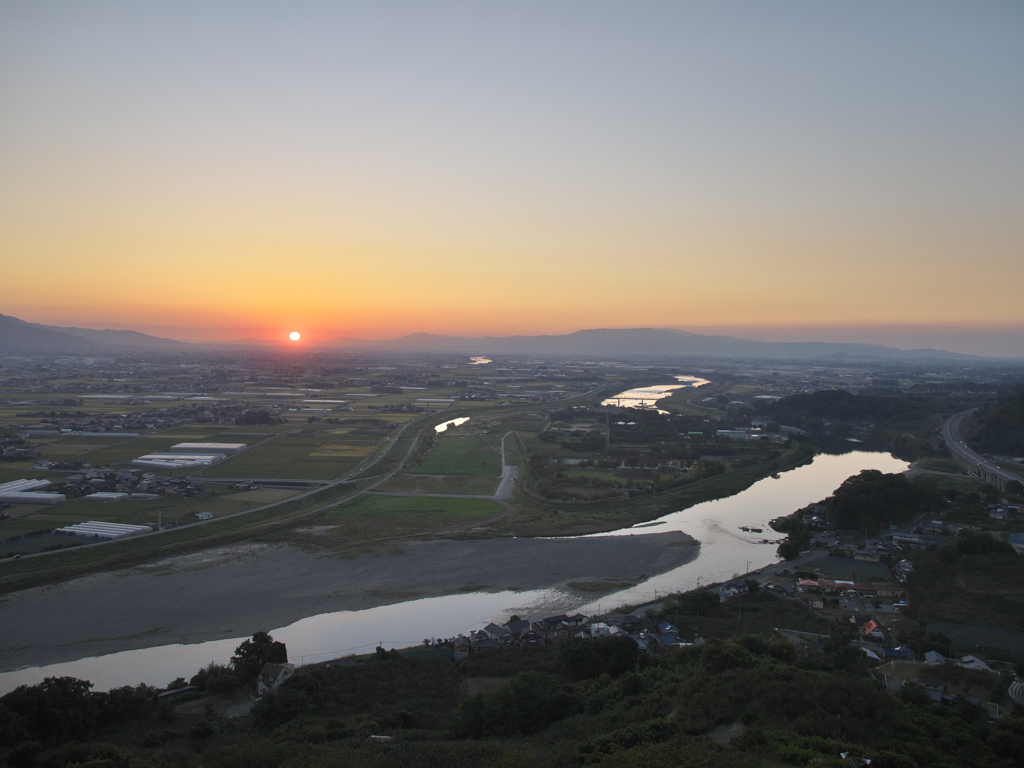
(783, 170)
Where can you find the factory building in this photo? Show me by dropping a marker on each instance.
(178, 460)
(29, 492)
(96, 529)
(226, 448)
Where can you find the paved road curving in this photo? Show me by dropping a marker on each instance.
(978, 465)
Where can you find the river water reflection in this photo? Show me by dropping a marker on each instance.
(725, 551)
(443, 426)
(645, 397)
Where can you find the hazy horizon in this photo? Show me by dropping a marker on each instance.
(783, 171)
(987, 342)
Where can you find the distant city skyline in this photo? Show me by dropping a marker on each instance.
(774, 171)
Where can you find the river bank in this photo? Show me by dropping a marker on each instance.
(234, 591)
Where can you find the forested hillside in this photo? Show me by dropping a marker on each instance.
(1000, 429)
(746, 697)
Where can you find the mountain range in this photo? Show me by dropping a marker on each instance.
(600, 342)
(20, 337)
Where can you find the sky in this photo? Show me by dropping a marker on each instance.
(770, 169)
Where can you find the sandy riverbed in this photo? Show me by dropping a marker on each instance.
(234, 591)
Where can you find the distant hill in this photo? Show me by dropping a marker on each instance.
(21, 337)
(1000, 429)
(18, 336)
(118, 338)
(645, 341)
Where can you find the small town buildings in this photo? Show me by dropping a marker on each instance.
(973, 662)
(271, 677)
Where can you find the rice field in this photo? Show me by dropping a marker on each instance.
(477, 456)
(428, 484)
(308, 454)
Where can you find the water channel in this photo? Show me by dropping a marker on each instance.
(725, 551)
(645, 397)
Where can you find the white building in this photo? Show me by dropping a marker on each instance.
(97, 529)
(209, 447)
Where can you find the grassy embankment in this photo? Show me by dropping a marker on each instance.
(369, 520)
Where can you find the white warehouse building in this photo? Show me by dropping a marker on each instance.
(100, 530)
(178, 460)
(209, 447)
(29, 492)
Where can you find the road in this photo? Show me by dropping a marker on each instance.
(509, 473)
(967, 457)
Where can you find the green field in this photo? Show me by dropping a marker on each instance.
(464, 484)
(9, 474)
(30, 518)
(939, 464)
(308, 454)
(378, 507)
(477, 456)
(370, 519)
(597, 474)
(125, 450)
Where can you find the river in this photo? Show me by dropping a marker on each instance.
(644, 397)
(725, 551)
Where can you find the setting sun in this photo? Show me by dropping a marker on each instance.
(294, 335)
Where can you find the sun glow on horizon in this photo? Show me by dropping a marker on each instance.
(436, 198)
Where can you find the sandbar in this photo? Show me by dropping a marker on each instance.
(237, 590)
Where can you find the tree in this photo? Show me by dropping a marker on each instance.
(529, 703)
(216, 678)
(872, 499)
(251, 655)
(56, 710)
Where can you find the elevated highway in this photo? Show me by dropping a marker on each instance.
(973, 462)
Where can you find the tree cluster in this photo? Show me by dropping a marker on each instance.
(871, 500)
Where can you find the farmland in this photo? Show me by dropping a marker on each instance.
(476, 456)
(431, 484)
(359, 427)
(371, 519)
